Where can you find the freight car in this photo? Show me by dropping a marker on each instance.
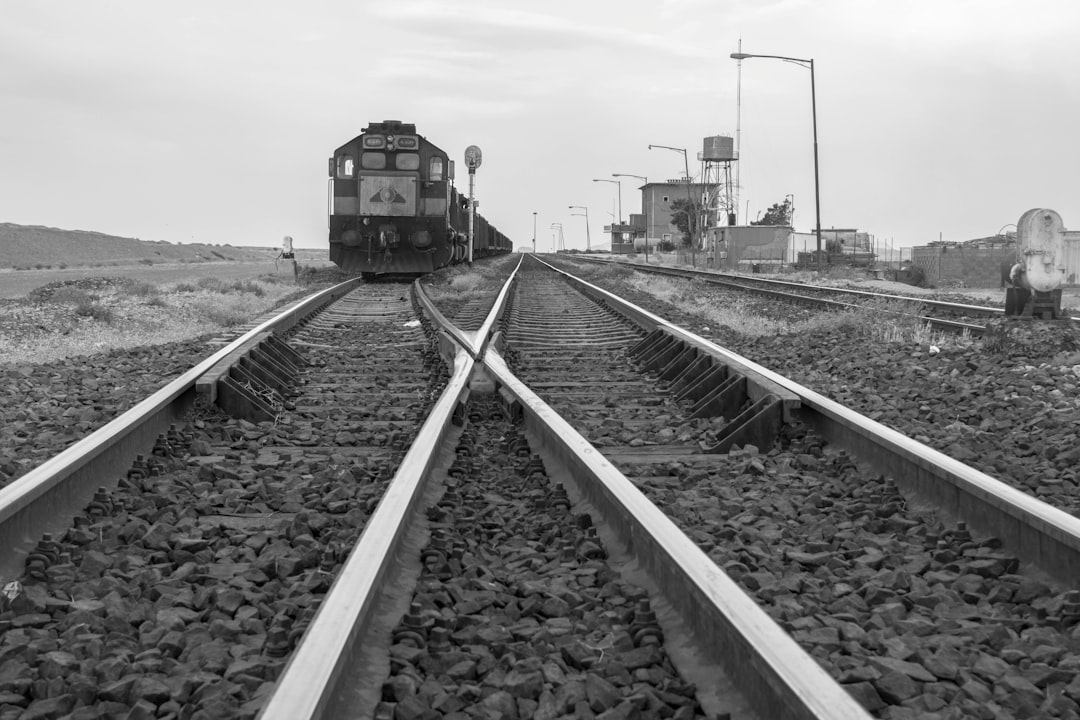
(1039, 271)
(394, 210)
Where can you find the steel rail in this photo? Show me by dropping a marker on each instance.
(776, 676)
(735, 281)
(774, 671)
(310, 686)
(474, 342)
(724, 281)
(48, 497)
(784, 681)
(1039, 533)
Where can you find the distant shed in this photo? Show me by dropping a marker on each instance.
(978, 263)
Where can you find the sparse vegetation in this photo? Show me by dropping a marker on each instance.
(222, 315)
(95, 311)
(463, 282)
(242, 286)
(884, 321)
(73, 296)
(69, 318)
(139, 288)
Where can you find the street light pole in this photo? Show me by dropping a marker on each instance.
(534, 232)
(813, 109)
(588, 238)
(553, 227)
(619, 183)
(690, 211)
(644, 209)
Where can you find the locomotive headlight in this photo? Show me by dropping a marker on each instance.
(435, 173)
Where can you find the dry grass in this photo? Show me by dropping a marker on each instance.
(884, 321)
(129, 314)
(461, 282)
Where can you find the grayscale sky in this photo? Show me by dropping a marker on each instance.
(212, 121)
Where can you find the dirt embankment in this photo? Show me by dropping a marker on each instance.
(34, 247)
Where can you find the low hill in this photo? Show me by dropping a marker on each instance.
(34, 246)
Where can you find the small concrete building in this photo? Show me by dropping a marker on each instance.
(656, 199)
(748, 248)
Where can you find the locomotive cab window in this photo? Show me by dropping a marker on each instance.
(373, 161)
(407, 161)
(345, 166)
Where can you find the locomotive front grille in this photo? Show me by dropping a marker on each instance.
(388, 195)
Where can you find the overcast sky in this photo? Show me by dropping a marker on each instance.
(211, 121)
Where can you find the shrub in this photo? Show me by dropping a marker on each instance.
(225, 317)
(247, 286)
(466, 281)
(157, 301)
(185, 288)
(95, 311)
(213, 285)
(138, 288)
(73, 296)
(146, 261)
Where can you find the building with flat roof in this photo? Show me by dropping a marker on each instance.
(656, 200)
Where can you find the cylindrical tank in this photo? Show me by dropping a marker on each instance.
(1040, 243)
(718, 148)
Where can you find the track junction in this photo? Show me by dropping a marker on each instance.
(563, 505)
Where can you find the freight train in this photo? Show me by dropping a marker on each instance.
(394, 210)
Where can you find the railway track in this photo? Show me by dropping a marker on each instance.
(526, 564)
(944, 316)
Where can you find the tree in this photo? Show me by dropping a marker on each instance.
(680, 219)
(778, 214)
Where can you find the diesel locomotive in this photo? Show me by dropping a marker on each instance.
(394, 210)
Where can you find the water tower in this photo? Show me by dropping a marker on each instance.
(718, 155)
